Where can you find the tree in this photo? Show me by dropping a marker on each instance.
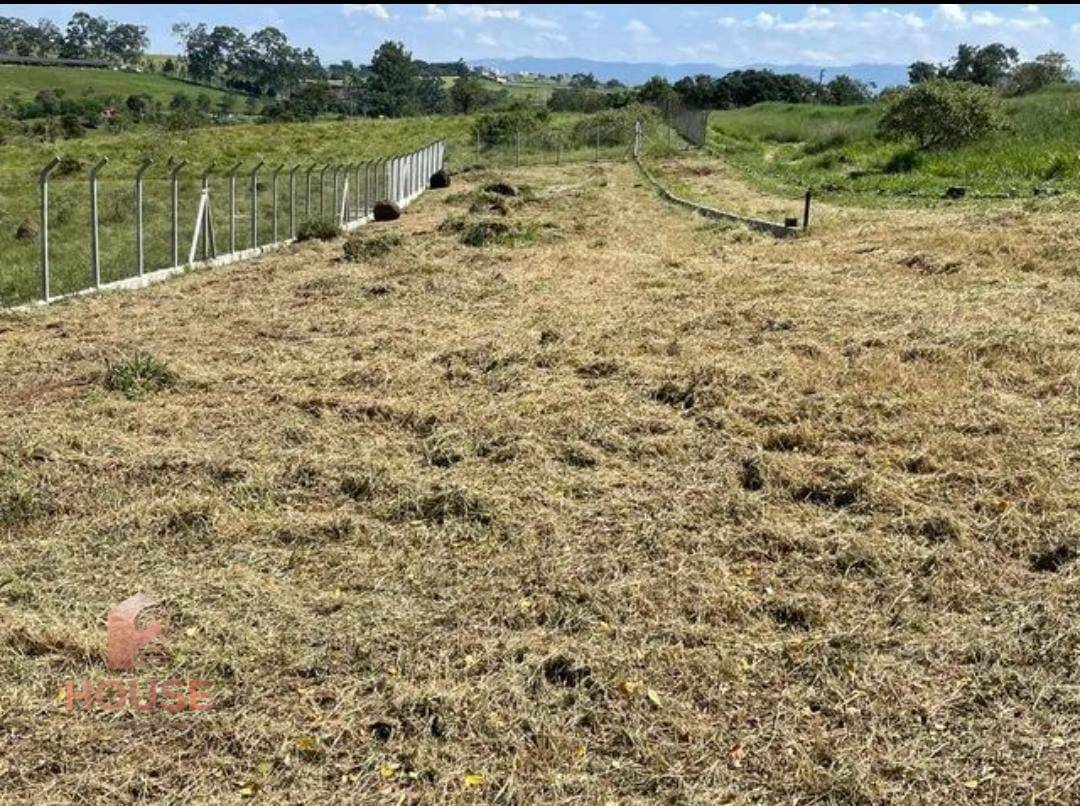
(918, 72)
(1046, 69)
(941, 113)
(125, 43)
(845, 91)
(396, 87)
(988, 65)
(41, 40)
(658, 92)
(468, 94)
(697, 92)
(85, 36)
(586, 80)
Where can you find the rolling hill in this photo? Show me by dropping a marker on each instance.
(26, 81)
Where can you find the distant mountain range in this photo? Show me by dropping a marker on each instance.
(880, 75)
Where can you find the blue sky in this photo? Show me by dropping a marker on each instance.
(728, 35)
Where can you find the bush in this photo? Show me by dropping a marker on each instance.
(941, 113)
(616, 125)
(502, 127)
(903, 162)
(318, 229)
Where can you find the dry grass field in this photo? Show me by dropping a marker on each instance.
(626, 507)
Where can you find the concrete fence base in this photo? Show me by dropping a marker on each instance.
(776, 230)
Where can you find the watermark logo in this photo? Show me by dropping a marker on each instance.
(133, 642)
(127, 646)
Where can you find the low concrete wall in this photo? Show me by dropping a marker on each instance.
(776, 230)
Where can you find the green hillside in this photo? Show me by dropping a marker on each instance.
(26, 81)
(790, 147)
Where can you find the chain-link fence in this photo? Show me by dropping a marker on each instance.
(591, 139)
(691, 124)
(95, 229)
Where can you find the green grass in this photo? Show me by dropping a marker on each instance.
(789, 147)
(305, 144)
(27, 81)
(537, 91)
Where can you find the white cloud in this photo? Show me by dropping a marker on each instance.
(952, 13)
(641, 33)
(484, 39)
(374, 10)
(727, 22)
(766, 20)
(478, 13)
(432, 11)
(540, 22)
(986, 18)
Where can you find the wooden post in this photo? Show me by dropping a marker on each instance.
(806, 210)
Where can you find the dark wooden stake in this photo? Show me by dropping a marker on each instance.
(806, 211)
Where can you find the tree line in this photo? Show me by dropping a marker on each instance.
(997, 66)
(84, 37)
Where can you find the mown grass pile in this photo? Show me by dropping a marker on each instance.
(653, 511)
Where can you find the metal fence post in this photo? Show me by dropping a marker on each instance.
(43, 231)
(806, 210)
(139, 254)
(354, 172)
(307, 192)
(95, 248)
(255, 205)
(232, 207)
(276, 193)
(174, 209)
(292, 201)
(365, 168)
(206, 213)
(322, 190)
(334, 171)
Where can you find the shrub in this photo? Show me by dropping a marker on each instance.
(616, 125)
(138, 376)
(359, 247)
(502, 127)
(827, 142)
(941, 113)
(318, 229)
(903, 162)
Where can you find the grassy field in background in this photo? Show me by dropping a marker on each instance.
(538, 91)
(303, 144)
(789, 147)
(27, 81)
